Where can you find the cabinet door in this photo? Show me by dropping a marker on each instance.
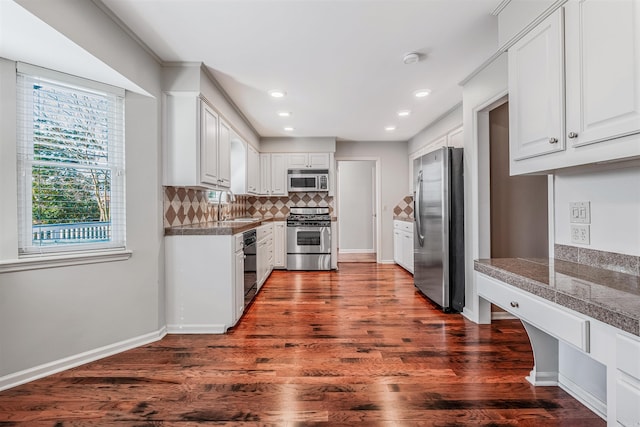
(278, 175)
(279, 245)
(208, 145)
(536, 91)
(407, 250)
(297, 160)
(265, 174)
(397, 247)
(602, 41)
(253, 173)
(238, 297)
(224, 154)
(318, 160)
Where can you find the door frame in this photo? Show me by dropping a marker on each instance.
(377, 203)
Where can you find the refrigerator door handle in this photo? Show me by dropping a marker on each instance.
(418, 202)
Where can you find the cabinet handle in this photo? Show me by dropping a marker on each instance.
(573, 135)
(514, 304)
(553, 140)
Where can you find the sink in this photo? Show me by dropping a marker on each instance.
(243, 220)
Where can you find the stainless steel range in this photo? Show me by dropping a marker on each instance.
(309, 239)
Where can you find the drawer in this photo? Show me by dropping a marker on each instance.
(627, 404)
(263, 231)
(628, 356)
(542, 314)
(403, 225)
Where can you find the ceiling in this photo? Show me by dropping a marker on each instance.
(340, 62)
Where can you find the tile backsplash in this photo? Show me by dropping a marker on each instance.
(187, 206)
(404, 209)
(278, 207)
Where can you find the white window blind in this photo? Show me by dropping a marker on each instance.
(71, 193)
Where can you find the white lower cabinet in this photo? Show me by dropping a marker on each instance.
(403, 244)
(204, 283)
(280, 244)
(627, 381)
(264, 253)
(238, 278)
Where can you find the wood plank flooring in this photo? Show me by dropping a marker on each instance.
(353, 347)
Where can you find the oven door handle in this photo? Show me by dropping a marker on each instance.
(305, 228)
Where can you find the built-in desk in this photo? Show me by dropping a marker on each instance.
(584, 326)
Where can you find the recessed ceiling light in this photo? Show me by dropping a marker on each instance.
(288, 128)
(421, 93)
(277, 93)
(411, 58)
(390, 128)
(404, 113)
(284, 113)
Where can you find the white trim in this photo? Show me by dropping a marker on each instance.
(213, 328)
(583, 396)
(378, 184)
(500, 7)
(65, 78)
(31, 374)
(356, 251)
(388, 261)
(63, 260)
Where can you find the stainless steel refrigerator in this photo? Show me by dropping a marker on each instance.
(439, 227)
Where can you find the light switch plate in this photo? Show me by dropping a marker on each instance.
(580, 234)
(580, 212)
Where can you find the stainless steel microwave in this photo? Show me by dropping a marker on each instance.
(307, 180)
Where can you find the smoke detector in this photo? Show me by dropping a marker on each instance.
(411, 58)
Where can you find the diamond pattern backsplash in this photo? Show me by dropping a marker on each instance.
(186, 206)
(404, 209)
(278, 207)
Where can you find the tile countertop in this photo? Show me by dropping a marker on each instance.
(608, 296)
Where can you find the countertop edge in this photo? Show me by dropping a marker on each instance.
(613, 317)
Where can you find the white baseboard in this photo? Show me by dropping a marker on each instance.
(356, 251)
(581, 395)
(31, 374)
(387, 261)
(197, 329)
(502, 315)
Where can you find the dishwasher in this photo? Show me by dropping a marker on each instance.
(249, 239)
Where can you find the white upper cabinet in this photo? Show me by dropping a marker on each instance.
(224, 153)
(603, 68)
(595, 86)
(208, 145)
(308, 160)
(278, 174)
(265, 174)
(192, 153)
(536, 91)
(253, 170)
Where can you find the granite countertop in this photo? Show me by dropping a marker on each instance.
(216, 228)
(608, 296)
(403, 218)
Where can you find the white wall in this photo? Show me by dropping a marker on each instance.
(51, 314)
(439, 128)
(614, 193)
(355, 205)
(393, 180)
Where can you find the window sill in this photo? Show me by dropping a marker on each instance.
(35, 262)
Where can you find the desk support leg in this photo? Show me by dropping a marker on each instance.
(545, 357)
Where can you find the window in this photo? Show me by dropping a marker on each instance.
(70, 163)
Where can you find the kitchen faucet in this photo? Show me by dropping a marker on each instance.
(231, 198)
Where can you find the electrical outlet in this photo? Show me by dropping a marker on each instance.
(580, 212)
(580, 234)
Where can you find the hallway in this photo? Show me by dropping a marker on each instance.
(354, 347)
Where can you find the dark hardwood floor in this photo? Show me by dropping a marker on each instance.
(354, 347)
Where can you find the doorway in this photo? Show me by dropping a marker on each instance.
(518, 204)
(357, 201)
